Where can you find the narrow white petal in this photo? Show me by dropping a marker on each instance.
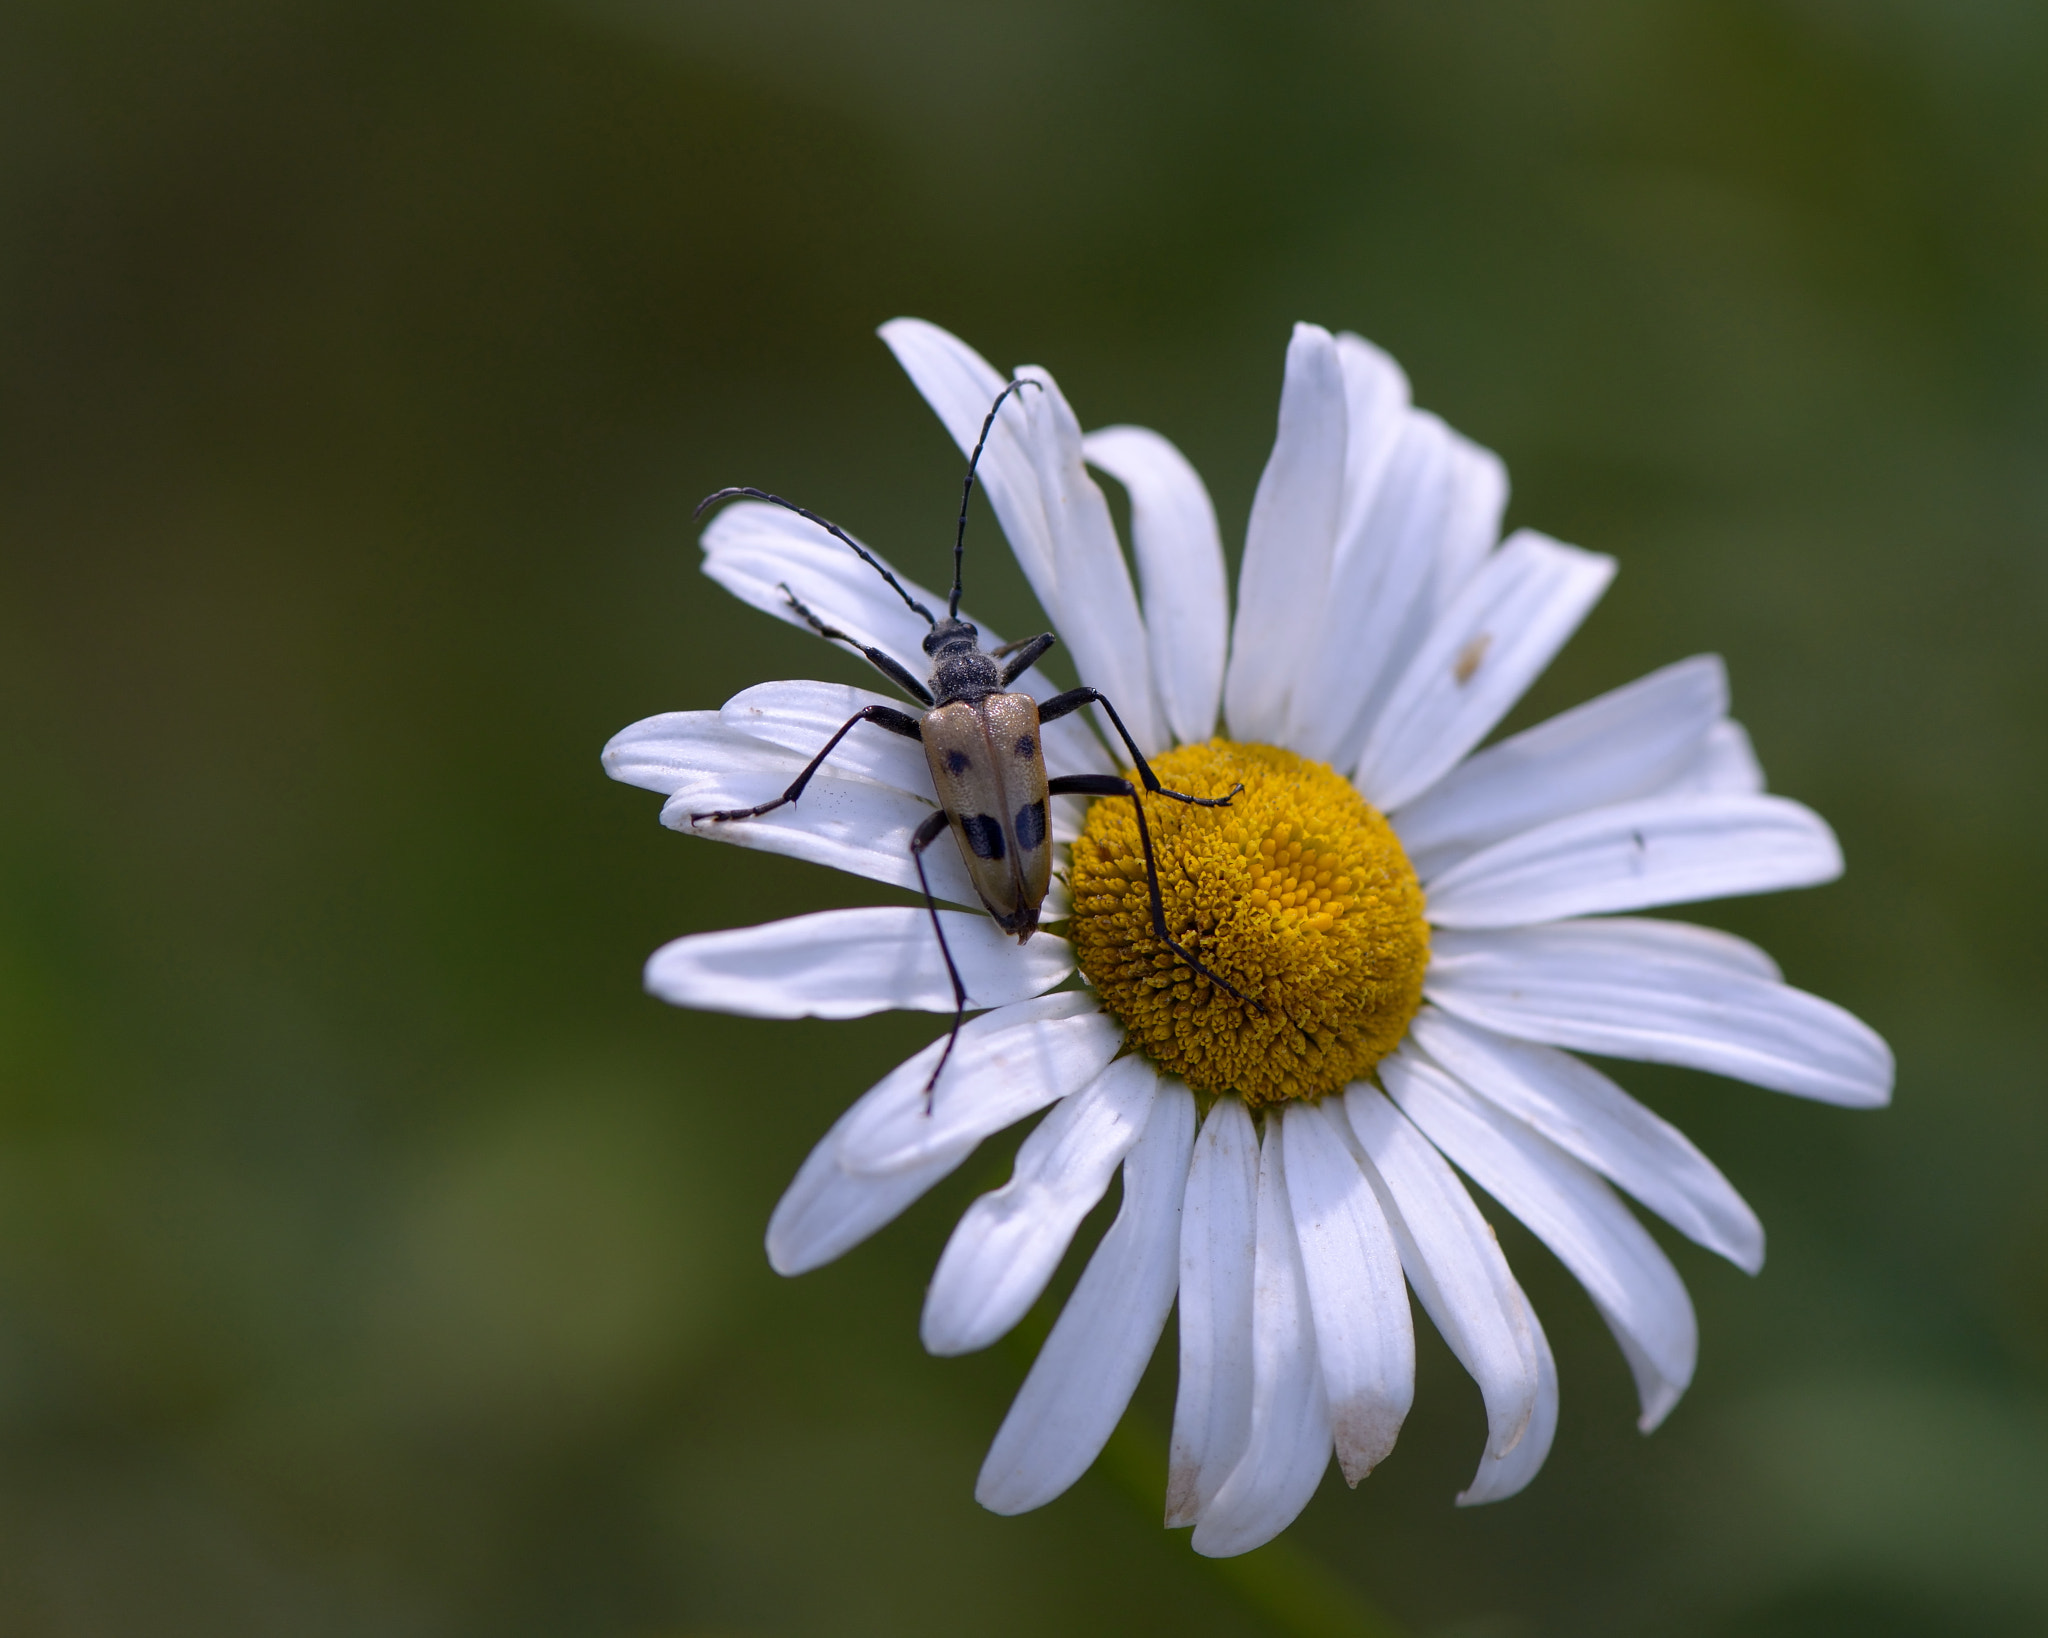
(802, 716)
(1573, 1212)
(1097, 613)
(1629, 743)
(1290, 538)
(1008, 1242)
(754, 550)
(1288, 1444)
(1455, 1264)
(853, 825)
(1637, 855)
(960, 385)
(1492, 642)
(1180, 565)
(664, 753)
(1434, 516)
(1506, 1477)
(1376, 411)
(1086, 1372)
(1365, 1337)
(1615, 988)
(1725, 765)
(849, 963)
(1588, 1116)
(1212, 1411)
(1007, 1064)
(826, 1211)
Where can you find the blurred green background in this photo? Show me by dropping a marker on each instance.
(376, 1259)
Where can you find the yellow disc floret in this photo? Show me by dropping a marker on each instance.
(1298, 894)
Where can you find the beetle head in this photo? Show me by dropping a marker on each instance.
(951, 635)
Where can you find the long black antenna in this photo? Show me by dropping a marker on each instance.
(838, 533)
(967, 488)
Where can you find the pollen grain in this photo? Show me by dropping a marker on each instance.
(1298, 894)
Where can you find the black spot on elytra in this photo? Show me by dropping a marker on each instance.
(984, 835)
(1027, 747)
(958, 762)
(1031, 826)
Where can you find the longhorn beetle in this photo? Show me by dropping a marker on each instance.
(982, 745)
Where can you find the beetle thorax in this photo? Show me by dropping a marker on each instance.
(1299, 893)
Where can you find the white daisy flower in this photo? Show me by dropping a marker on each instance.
(1429, 929)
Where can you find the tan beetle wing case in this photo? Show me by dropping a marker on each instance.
(989, 774)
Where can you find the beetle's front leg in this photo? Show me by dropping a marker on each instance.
(1073, 699)
(882, 716)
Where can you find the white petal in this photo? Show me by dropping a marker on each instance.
(1008, 1242)
(1492, 642)
(1086, 1372)
(1632, 742)
(1007, 1064)
(1501, 1479)
(1636, 855)
(1630, 989)
(1471, 529)
(960, 385)
(1588, 1116)
(1365, 1339)
(1380, 606)
(1180, 564)
(1726, 765)
(1288, 1445)
(1376, 411)
(1455, 1264)
(1289, 540)
(1212, 1410)
(853, 825)
(1573, 1212)
(826, 1210)
(1097, 613)
(849, 963)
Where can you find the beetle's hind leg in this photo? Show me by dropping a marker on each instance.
(882, 716)
(1117, 785)
(926, 834)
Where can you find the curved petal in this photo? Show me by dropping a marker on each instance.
(1007, 1064)
(1365, 1338)
(960, 385)
(1492, 642)
(853, 825)
(1571, 1211)
(1590, 1118)
(1498, 1480)
(826, 1211)
(1726, 765)
(1007, 1244)
(1097, 613)
(1618, 989)
(801, 716)
(754, 550)
(1180, 564)
(850, 963)
(1089, 1367)
(1376, 412)
(1637, 855)
(1290, 538)
(1212, 1408)
(1629, 743)
(1455, 1264)
(1288, 1444)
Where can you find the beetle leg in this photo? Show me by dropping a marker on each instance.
(882, 716)
(1117, 785)
(926, 834)
(874, 656)
(1073, 699)
(1027, 651)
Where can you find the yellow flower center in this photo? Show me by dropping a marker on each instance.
(1298, 894)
